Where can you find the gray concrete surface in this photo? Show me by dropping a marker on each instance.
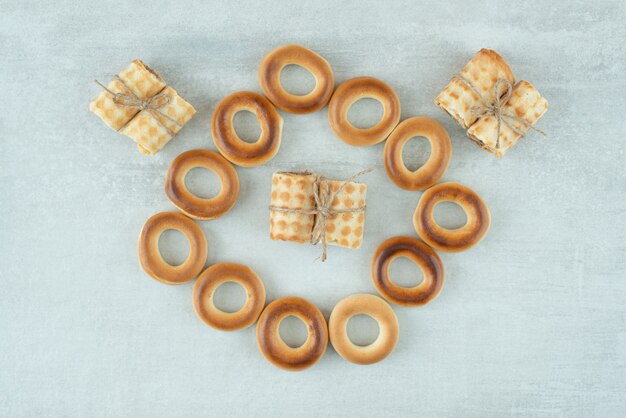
(532, 322)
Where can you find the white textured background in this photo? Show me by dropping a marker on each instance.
(532, 322)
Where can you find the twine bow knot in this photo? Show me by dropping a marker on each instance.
(152, 105)
(323, 211)
(497, 108)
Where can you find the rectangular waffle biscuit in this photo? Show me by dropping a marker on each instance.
(346, 229)
(292, 191)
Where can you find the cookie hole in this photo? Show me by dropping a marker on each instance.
(362, 330)
(297, 80)
(405, 273)
(247, 126)
(450, 215)
(229, 297)
(203, 182)
(174, 247)
(416, 152)
(293, 331)
(365, 113)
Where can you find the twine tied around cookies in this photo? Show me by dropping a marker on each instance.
(323, 211)
(496, 109)
(152, 105)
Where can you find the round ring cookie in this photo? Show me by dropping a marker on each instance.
(379, 310)
(451, 240)
(275, 350)
(437, 163)
(420, 254)
(214, 277)
(269, 77)
(192, 205)
(150, 258)
(360, 88)
(235, 149)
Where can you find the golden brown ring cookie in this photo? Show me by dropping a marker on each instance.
(451, 240)
(374, 307)
(214, 277)
(433, 169)
(269, 77)
(275, 350)
(228, 142)
(192, 205)
(419, 253)
(360, 88)
(150, 257)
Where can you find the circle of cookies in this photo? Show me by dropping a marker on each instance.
(245, 154)
(235, 149)
(419, 253)
(452, 240)
(192, 205)
(269, 78)
(350, 92)
(212, 278)
(275, 350)
(150, 258)
(429, 173)
(376, 308)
